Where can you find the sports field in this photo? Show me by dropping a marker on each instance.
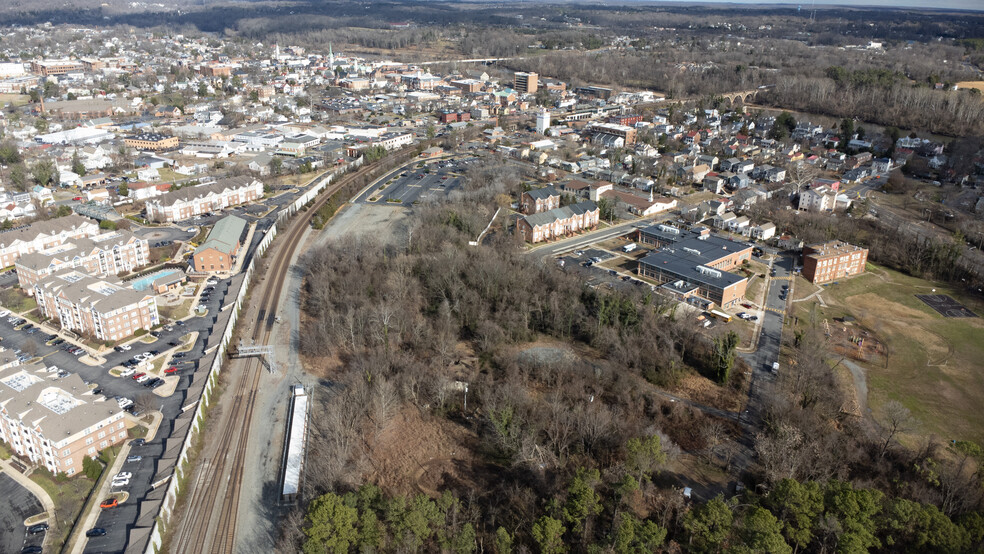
(933, 363)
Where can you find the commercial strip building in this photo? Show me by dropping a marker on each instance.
(833, 260)
(99, 307)
(151, 141)
(558, 222)
(41, 235)
(218, 252)
(106, 254)
(55, 424)
(693, 265)
(204, 199)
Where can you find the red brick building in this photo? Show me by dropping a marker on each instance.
(833, 260)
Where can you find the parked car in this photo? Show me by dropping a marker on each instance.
(31, 549)
(95, 532)
(137, 376)
(133, 458)
(138, 442)
(37, 529)
(144, 378)
(4, 313)
(171, 369)
(109, 503)
(120, 482)
(122, 475)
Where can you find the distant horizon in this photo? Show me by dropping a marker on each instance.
(971, 5)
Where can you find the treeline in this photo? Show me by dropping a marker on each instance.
(954, 113)
(895, 246)
(597, 513)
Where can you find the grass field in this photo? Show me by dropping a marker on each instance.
(15, 100)
(979, 85)
(934, 363)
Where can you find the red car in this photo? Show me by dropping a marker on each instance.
(77, 198)
(138, 375)
(109, 503)
(171, 369)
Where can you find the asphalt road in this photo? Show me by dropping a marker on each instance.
(164, 234)
(16, 505)
(586, 239)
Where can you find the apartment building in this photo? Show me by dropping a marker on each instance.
(55, 424)
(42, 235)
(106, 254)
(151, 141)
(204, 199)
(525, 82)
(558, 222)
(540, 200)
(218, 252)
(833, 260)
(100, 307)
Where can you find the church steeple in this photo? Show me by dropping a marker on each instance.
(331, 57)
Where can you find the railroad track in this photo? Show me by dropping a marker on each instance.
(193, 535)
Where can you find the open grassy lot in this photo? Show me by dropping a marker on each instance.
(933, 364)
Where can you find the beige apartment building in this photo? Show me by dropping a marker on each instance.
(106, 254)
(204, 199)
(56, 423)
(94, 306)
(43, 235)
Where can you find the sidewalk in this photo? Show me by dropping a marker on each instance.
(77, 542)
(36, 490)
(92, 516)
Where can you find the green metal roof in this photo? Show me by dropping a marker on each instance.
(224, 235)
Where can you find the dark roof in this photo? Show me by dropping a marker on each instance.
(543, 194)
(548, 217)
(690, 267)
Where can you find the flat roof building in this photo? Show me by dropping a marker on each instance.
(696, 262)
(525, 82)
(833, 260)
(151, 141)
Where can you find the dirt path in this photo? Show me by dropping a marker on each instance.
(860, 377)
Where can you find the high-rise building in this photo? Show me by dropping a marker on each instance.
(525, 82)
(542, 121)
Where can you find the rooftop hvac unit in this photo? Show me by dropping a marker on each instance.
(693, 251)
(708, 271)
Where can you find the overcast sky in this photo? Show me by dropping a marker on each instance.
(958, 4)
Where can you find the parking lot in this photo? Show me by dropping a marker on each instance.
(586, 263)
(16, 505)
(418, 184)
(116, 520)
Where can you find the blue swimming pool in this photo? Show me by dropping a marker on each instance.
(144, 282)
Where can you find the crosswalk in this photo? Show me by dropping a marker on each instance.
(786, 278)
(774, 310)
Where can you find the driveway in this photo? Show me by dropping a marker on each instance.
(16, 505)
